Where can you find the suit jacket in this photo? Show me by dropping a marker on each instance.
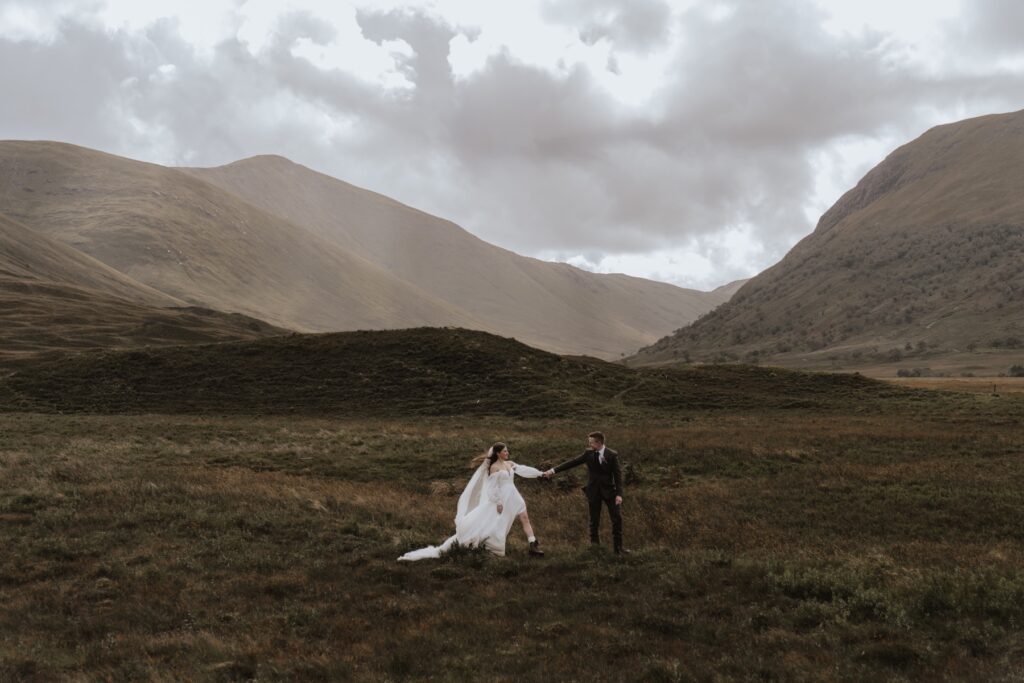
(604, 481)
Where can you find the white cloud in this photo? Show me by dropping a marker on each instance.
(691, 142)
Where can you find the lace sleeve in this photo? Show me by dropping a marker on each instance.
(526, 472)
(492, 490)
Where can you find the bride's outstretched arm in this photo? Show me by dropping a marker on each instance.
(526, 471)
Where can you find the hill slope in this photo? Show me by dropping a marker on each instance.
(274, 240)
(200, 244)
(550, 305)
(26, 253)
(54, 298)
(924, 257)
(426, 371)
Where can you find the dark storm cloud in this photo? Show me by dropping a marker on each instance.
(528, 158)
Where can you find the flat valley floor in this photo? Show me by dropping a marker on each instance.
(782, 545)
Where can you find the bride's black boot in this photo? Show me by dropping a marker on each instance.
(535, 549)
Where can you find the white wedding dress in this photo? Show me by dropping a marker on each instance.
(477, 521)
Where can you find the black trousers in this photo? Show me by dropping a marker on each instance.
(595, 519)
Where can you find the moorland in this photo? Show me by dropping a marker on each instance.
(234, 512)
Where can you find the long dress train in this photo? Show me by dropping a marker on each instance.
(477, 521)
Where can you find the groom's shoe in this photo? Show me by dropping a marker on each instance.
(535, 549)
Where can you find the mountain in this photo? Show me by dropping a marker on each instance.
(276, 241)
(27, 254)
(922, 263)
(425, 371)
(199, 244)
(54, 298)
(550, 305)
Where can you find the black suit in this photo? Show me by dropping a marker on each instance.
(604, 482)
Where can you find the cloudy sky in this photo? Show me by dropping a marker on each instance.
(691, 141)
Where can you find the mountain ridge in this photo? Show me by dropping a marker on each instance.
(445, 260)
(197, 243)
(921, 261)
(273, 240)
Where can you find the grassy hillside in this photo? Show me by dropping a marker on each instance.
(924, 259)
(426, 371)
(54, 299)
(202, 245)
(30, 255)
(44, 320)
(273, 240)
(553, 306)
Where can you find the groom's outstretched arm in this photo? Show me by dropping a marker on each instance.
(569, 464)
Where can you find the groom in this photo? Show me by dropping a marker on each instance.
(604, 485)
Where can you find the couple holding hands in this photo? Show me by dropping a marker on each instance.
(490, 502)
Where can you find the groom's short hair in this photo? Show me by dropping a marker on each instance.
(599, 436)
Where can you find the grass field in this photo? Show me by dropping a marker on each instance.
(768, 545)
(973, 385)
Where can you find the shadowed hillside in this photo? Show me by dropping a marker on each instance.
(924, 258)
(53, 298)
(202, 245)
(425, 371)
(28, 254)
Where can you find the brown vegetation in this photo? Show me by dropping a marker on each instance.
(200, 244)
(54, 298)
(276, 241)
(924, 258)
(831, 546)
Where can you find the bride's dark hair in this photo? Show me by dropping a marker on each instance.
(490, 456)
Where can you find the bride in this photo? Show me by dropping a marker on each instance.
(487, 508)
